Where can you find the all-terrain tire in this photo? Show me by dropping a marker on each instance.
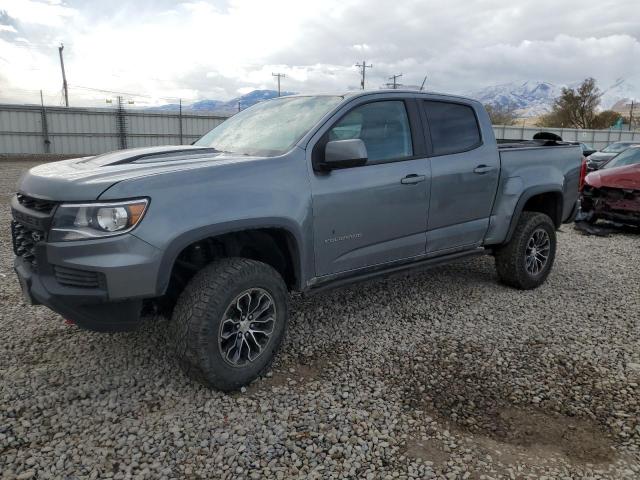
(511, 262)
(195, 326)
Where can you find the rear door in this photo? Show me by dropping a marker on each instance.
(465, 172)
(376, 213)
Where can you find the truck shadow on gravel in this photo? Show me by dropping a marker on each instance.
(294, 371)
(294, 376)
(468, 390)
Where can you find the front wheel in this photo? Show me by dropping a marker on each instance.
(526, 260)
(229, 322)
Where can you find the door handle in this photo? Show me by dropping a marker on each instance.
(482, 169)
(413, 179)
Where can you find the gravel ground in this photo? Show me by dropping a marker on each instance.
(439, 374)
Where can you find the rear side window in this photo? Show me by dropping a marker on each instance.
(382, 126)
(453, 127)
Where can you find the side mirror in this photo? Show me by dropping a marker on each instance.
(344, 154)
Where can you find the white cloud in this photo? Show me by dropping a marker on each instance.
(52, 14)
(215, 49)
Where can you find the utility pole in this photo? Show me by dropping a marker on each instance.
(395, 83)
(363, 67)
(64, 77)
(631, 116)
(279, 75)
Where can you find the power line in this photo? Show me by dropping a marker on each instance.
(119, 93)
(130, 94)
(279, 75)
(363, 67)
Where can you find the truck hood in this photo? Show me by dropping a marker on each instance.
(627, 177)
(84, 179)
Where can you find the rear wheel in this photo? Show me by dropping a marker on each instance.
(526, 260)
(229, 322)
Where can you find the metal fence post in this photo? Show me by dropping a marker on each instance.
(180, 124)
(45, 126)
(121, 124)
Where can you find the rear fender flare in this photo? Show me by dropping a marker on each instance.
(524, 198)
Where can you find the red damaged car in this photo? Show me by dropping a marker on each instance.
(613, 192)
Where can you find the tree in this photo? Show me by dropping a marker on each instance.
(574, 108)
(605, 119)
(552, 120)
(502, 114)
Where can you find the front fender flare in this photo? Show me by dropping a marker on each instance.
(185, 239)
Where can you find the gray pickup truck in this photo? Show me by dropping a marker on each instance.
(298, 193)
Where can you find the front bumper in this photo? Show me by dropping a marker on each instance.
(614, 204)
(125, 266)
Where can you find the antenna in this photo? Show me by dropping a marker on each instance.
(423, 82)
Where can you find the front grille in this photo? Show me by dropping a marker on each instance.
(72, 277)
(36, 204)
(24, 242)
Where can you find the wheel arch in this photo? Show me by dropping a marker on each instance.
(264, 240)
(547, 199)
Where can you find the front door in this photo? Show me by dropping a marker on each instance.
(376, 213)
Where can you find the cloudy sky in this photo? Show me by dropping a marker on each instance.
(223, 48)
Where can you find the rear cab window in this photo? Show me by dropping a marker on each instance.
(453, 127)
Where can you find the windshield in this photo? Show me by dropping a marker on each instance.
(616, 147)
(269, 128)
(628, 157)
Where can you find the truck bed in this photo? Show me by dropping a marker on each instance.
(530, 167)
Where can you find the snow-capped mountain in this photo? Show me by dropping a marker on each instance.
(221, 106)
(535, 98)
(531, 98)
(619, 95)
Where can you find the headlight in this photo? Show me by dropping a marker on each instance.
(96, 220)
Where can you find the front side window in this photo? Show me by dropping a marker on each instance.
(630, 156)
(382, 126)
(453, 127)
(269, 128)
